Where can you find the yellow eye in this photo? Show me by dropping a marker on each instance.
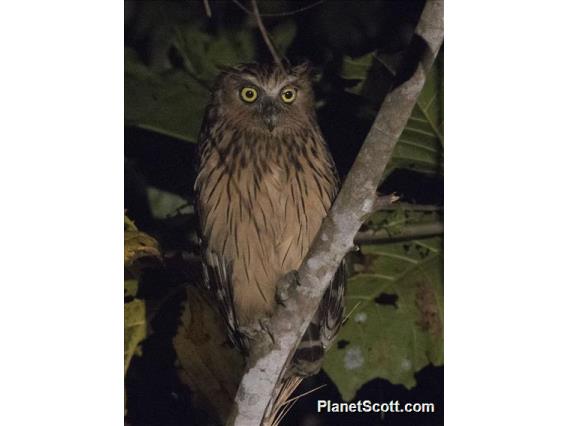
(249, 94)
(288, 95)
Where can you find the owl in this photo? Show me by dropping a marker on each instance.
(266, 180)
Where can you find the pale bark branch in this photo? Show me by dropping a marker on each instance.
(352, 206)
(289, 13)
(207, 7)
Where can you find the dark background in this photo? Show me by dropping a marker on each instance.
(326, 33)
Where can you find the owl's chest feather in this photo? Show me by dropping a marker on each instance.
(265, 193)
(260, 208)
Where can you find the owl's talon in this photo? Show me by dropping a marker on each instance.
(284, 286)
(250, 332)
(264, 324)
(257, 331)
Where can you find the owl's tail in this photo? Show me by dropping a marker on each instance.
(308, 357)
(323, 328)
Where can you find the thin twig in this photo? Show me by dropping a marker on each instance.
(409, 232)
(266, 36)
(414, 207)
(289, 13)
(207, 7)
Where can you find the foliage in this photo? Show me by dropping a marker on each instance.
(420, 147)
(138, 249)
(210, 367)
(395, 326)
(170, 102)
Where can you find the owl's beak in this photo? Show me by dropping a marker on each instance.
(270, 121)
(269, 113)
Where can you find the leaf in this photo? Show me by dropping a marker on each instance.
(129, 224)
(357, 69)
(283, 35)
(134, 328)
(130, 289)
(140, 251)
(204, 54)
(138, 245)
(403, 215)
(171, 103)
(206, 362)
(396, 328)
(164, 204)
(420, 147)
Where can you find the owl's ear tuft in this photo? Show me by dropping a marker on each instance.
(231, 69)
(304, 70)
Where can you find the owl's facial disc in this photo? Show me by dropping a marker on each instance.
(269, 112)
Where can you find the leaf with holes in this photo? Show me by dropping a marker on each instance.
(396, 323)
(402, 216)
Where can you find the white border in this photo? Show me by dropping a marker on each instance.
(61, 249)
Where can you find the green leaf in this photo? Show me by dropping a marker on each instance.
(134, 328)
(164, 204)
(171, 103)
(283, 35)
(420, 147)
(403, 215)
(139, 248)
(130, 289)
(129, 224)
(357, 69)
(204, 54)
(138, 245)
(396, 327)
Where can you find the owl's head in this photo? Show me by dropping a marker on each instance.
(265, 98)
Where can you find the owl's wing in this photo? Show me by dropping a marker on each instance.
(333, 303)
(323, 328)
(217, 273)
(332, 306)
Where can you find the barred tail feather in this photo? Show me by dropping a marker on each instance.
(308, 357)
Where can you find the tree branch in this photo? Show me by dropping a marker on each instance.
(410, 232)
(265, 35)
(414, 207)
(354, 203)
(207, 7)
(289, 13)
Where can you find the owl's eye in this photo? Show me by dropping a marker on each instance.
(288, 95)
(249, 94)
